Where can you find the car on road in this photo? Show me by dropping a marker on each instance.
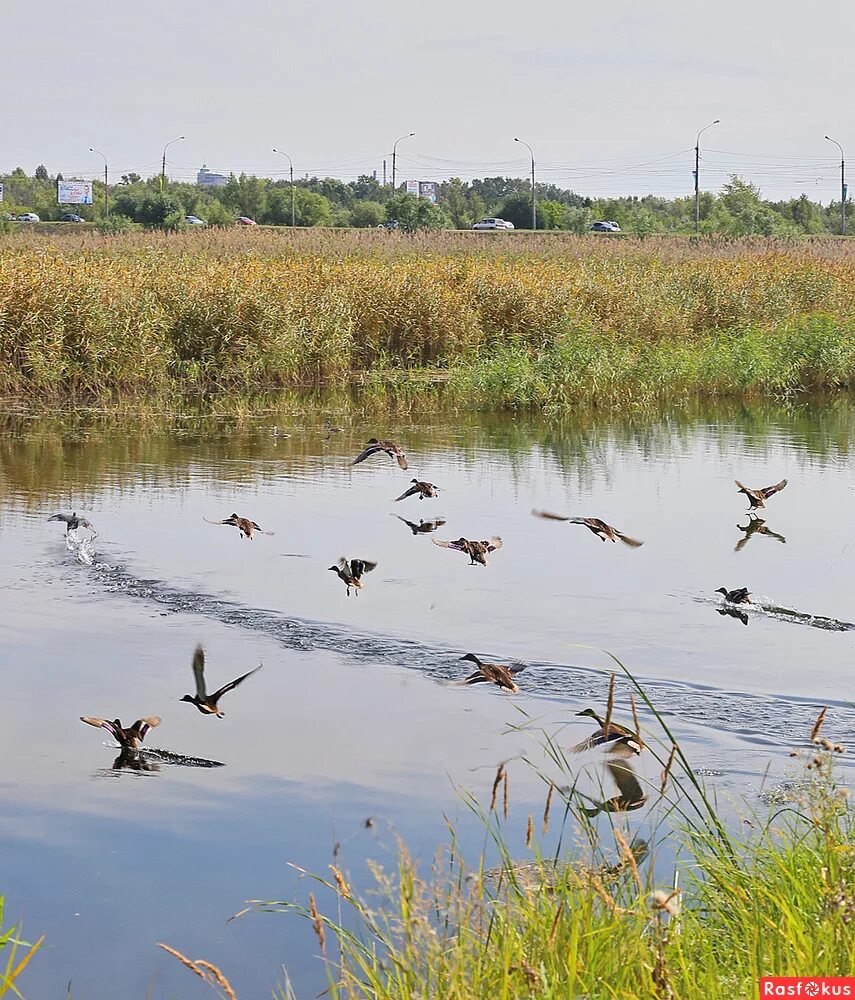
(71, 217)
(28, 217)
(389, 224)
(493, 224)
(194, 220)
(244, 220)
(605, 227)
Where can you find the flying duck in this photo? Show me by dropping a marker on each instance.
(758, 498)
(350, 572)
(603, 531)
(738, 596)
(243, 524)
(129, 738)
(375, 447)
(421, 487)
(73, 522)
(423, 527)
(477, 551)
(619, 737)
(494, 673)
(207, 703)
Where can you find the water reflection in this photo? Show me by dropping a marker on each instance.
(630, 795)
(756, 526)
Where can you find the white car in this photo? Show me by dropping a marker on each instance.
(29, 217)
(493, 224)
(194, 220)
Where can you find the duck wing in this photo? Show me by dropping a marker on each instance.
(199, 673)
(401, 459)
(769, 491)
(99, 724)
(142, 726)
(260, 530)
(233, 684)
(415, 528)
(631, 542)
(209, 521)
(549, 516)
(757, 494)
(408, 493)
(360, 566)
(372, 449)
(493, 543)
(449, 545)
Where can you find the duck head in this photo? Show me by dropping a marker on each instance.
(188, 697)
(590, 713)
(472, 659)
(722, 590)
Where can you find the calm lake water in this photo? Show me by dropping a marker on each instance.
(356, 713)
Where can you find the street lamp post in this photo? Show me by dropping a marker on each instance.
(291, 165)
(163, 161)
(697, 174)
(533, 194)
(409, 135)
(106, 179)
(842, 186)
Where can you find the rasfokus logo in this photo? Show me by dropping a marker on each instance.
(807, 986)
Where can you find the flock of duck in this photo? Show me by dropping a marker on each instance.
(352, 570)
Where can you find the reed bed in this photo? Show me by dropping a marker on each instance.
(536, 320)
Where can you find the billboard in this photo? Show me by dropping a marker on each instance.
(413, 188)
(427, 189)
(74, 192)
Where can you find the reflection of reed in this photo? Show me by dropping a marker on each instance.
(46, 459)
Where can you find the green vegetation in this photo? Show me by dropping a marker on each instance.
(738, 210)
(14, 964)
(523, 320)
(602, 918)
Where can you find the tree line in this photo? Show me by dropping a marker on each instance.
(738, 210)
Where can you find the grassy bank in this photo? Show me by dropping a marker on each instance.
(536, 321)
(600, 917)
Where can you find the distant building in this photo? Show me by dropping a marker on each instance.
(206, 179)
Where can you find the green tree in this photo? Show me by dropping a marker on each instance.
(551, 214)
(367, 214)
(516, 208)
(455, 201)
(41, 173)
(413, 213)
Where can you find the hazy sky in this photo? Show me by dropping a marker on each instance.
(610, 95)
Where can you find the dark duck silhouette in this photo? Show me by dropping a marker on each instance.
(244, 525)
(73, 522)
(375, 447)
(423, 527)
(739, 596)
(477, 551)
(758, 498)
(492, 673)
(617, 738)
(605, 532)
(351, 571)
(424, 490)
(130, 738)
(207, 703)
(756, 525)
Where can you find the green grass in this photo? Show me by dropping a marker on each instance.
(12, 962)
(599, 918)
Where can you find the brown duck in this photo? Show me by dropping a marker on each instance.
(375, 447)
(738, 596)
(129, 738)
(493, 673)
(477, 551)
(605, 532)
(243, 524)
(350, 572)
(618, 737)
(756, 525)
(424, 490)
(207, 703)
(758, 498)
(423, 527)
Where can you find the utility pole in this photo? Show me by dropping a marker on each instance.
(409, 135)
(163, 161)
(697, 175)
(533, 193)
(384, 173)
(842, 186)
(106, 186)
(291, 166)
